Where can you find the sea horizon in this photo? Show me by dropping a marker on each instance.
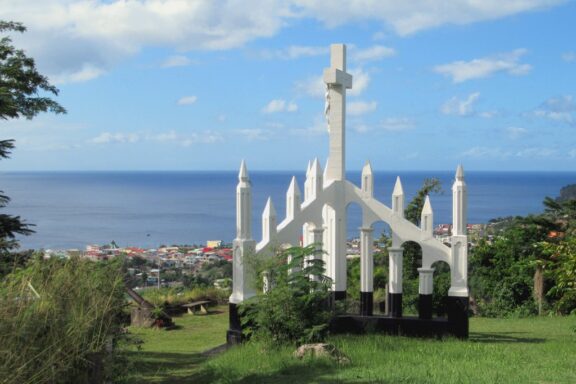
(72, 209)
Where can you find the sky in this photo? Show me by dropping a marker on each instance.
(201, 85)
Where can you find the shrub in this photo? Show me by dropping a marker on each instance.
(297, 309)
(57, 319)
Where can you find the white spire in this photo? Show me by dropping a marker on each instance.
(243, 174)
(292, 199)
(398, 198)
(367, 180)
(268, 221)
(459, 203)
(427, 218)
(243, 205)
(316, 183)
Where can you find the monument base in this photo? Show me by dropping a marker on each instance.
(339, 295)
(425, 306)
(457, 309)
(234, 333)
(366, 303)
(395, 306)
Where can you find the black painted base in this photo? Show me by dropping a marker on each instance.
(234, 333)
(366, 303)
(425, 307)
(457, 309)
(339, 295)
(395, 306)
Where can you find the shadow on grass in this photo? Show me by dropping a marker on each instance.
(318, 372)
(162, 367)
(503, 337)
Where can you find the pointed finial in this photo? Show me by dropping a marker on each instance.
(427, 209)
(398, 190)
(293, 188)
(460, 173)
(308, 168)
(243, 174)
(316, 170)
(269, 210)
(367, 169)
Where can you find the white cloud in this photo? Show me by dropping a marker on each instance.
(295, 52)
(515, 132)
(66, 35)
(176, 61)
(461, 71)
(569, 57)
(397, 124)
(360, 81)
(255, 134)
(559, 109)
(170, 137)
(87, 72)
(118, 137)
(318, 127)
(499, 153)
(187, 100)
(357, 108)
(279, 105)
(408, 17)
(376, 52)
(456, 106)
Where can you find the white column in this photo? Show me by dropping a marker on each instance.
(243, 245)
(395, 269)
(426, 281)
(459, 239)
(366, 260)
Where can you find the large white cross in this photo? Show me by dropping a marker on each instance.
(337, 81)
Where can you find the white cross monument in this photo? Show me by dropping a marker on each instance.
(321, 219)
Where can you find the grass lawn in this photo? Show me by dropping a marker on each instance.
(172, 356)
(534, 350)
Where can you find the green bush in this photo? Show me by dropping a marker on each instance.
(59, 321)
(297, 309)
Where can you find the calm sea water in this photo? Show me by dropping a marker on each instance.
(147, 209)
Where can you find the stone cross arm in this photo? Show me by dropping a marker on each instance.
(336, 74)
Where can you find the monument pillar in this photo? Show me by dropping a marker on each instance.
(395, 281)
(243, 245)
(425, 291)
(366, 271)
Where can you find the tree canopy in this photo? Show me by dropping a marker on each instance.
(21, 95)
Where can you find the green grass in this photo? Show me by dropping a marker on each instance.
(536, 350)
(172, 356)
(533, 350)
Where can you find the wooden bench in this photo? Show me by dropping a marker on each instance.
(197, 306)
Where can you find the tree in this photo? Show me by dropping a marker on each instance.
(296, 309)
(20, 96)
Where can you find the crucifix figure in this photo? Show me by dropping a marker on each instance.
(337, 81)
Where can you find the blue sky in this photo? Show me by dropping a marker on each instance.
(200, 85)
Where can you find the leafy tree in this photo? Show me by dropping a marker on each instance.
(297, 309)
(20, 87)
(561, 267)
(414, 208)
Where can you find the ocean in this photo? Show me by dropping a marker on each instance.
(149, 209)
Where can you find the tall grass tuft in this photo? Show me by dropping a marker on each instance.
(57, 319)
